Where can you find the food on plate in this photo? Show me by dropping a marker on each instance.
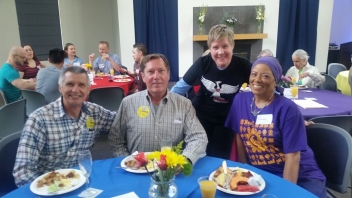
(238, 180)
(132, 164)
(57, 179)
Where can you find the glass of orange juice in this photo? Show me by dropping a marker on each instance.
(294, 91)
(165, 143)
(293, 80)
(112, 72)
(207, 187)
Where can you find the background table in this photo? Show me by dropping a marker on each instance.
(103, 81)
(116, 181)
(338, 103)
(342, 82)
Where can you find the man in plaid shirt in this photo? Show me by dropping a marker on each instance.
(53, 134)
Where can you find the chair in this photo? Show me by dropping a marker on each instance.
(335, 68)
(3, 101)
(108, 97)
(332, 147)
(342, 121)
(12, 118)
(329, 84)
(8, 150)
(34, 100)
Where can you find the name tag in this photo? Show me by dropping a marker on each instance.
(264, 119)
(176, 121)
(101, 66)
(76, 64)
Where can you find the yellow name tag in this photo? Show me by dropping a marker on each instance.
(143, 111)
(90, 122)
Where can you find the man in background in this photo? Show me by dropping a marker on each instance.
(138, 53)
(106, 61)
(10, 80)
(47, 78)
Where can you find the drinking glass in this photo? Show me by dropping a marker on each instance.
(207, 187)
(112, 72)
(166, 143)
(268, 196)
(294, 91)
(85, 165)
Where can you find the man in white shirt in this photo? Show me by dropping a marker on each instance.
(304, 73)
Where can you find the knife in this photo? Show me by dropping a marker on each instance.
(224, 167)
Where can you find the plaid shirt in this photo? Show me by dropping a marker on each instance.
(136, 130)
(51, 139)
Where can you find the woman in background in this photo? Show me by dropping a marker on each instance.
(31, 66)
(70, 56)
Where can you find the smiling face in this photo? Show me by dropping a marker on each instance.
(103, 48)
(221, 52)
(74, 89)
(262, 81)
(71, 50)
(156, 76)
(29, 52)
(298, 62)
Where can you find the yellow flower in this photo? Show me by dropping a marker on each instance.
(89, 66)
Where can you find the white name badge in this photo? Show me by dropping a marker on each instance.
(101, 65)
(264, 119)
(76, 64)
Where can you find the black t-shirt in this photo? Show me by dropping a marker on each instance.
(218, 87)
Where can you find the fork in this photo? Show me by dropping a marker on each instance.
(228, 179)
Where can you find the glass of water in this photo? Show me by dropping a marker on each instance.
(85, 165)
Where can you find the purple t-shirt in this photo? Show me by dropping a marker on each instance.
(267, 143)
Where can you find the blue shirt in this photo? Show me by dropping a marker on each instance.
(76, 62)
(105, 65)
(8, 74)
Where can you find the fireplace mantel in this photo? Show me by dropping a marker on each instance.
(236, 37)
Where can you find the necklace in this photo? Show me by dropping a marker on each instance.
(256, 110)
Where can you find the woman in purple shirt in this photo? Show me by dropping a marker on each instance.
(270, 130)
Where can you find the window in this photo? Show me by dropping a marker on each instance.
(39, 25)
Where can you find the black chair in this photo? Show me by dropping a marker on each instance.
(329, 84)
(335, 68)
(107, 97)
(8, 150)
(3, 101)
(342, 121)
(12, 118)
(34, 100)
(332, 147)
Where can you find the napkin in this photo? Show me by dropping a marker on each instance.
(309, 104)
(127, 195)
(254, 180)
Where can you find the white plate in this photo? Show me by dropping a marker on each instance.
(122, 164)
(261, 188)
(121, 76)
(122, 80)
(76, 182)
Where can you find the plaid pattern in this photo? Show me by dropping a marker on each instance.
(107, 64)
(51, 140)
(175, 117)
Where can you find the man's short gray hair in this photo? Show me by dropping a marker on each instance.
(265, 52)
(303, 55)
(220, 31)
(75, 70)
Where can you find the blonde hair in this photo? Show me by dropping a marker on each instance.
(220, 31)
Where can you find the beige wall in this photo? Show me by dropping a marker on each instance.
(9, 28)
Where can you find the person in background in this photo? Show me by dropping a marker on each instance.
(71, 59)
(106, 61)
(350, 78)
(31, 66)
(54, 134)
(146, 116)
(270, 131)
(47, 78)
(138, 53)
(265, 52)
(221, 75)
(304, 73)
(10, 79)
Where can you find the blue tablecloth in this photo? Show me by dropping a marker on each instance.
(338, 103)
(116, 181)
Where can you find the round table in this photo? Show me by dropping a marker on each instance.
(103, 81)
(337, 103)
(116, 181)
(342, 82)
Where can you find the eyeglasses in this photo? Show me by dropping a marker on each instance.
(23, 57)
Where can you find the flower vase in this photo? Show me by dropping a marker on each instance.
(165, 189)
(259, 30)
(200, 30)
